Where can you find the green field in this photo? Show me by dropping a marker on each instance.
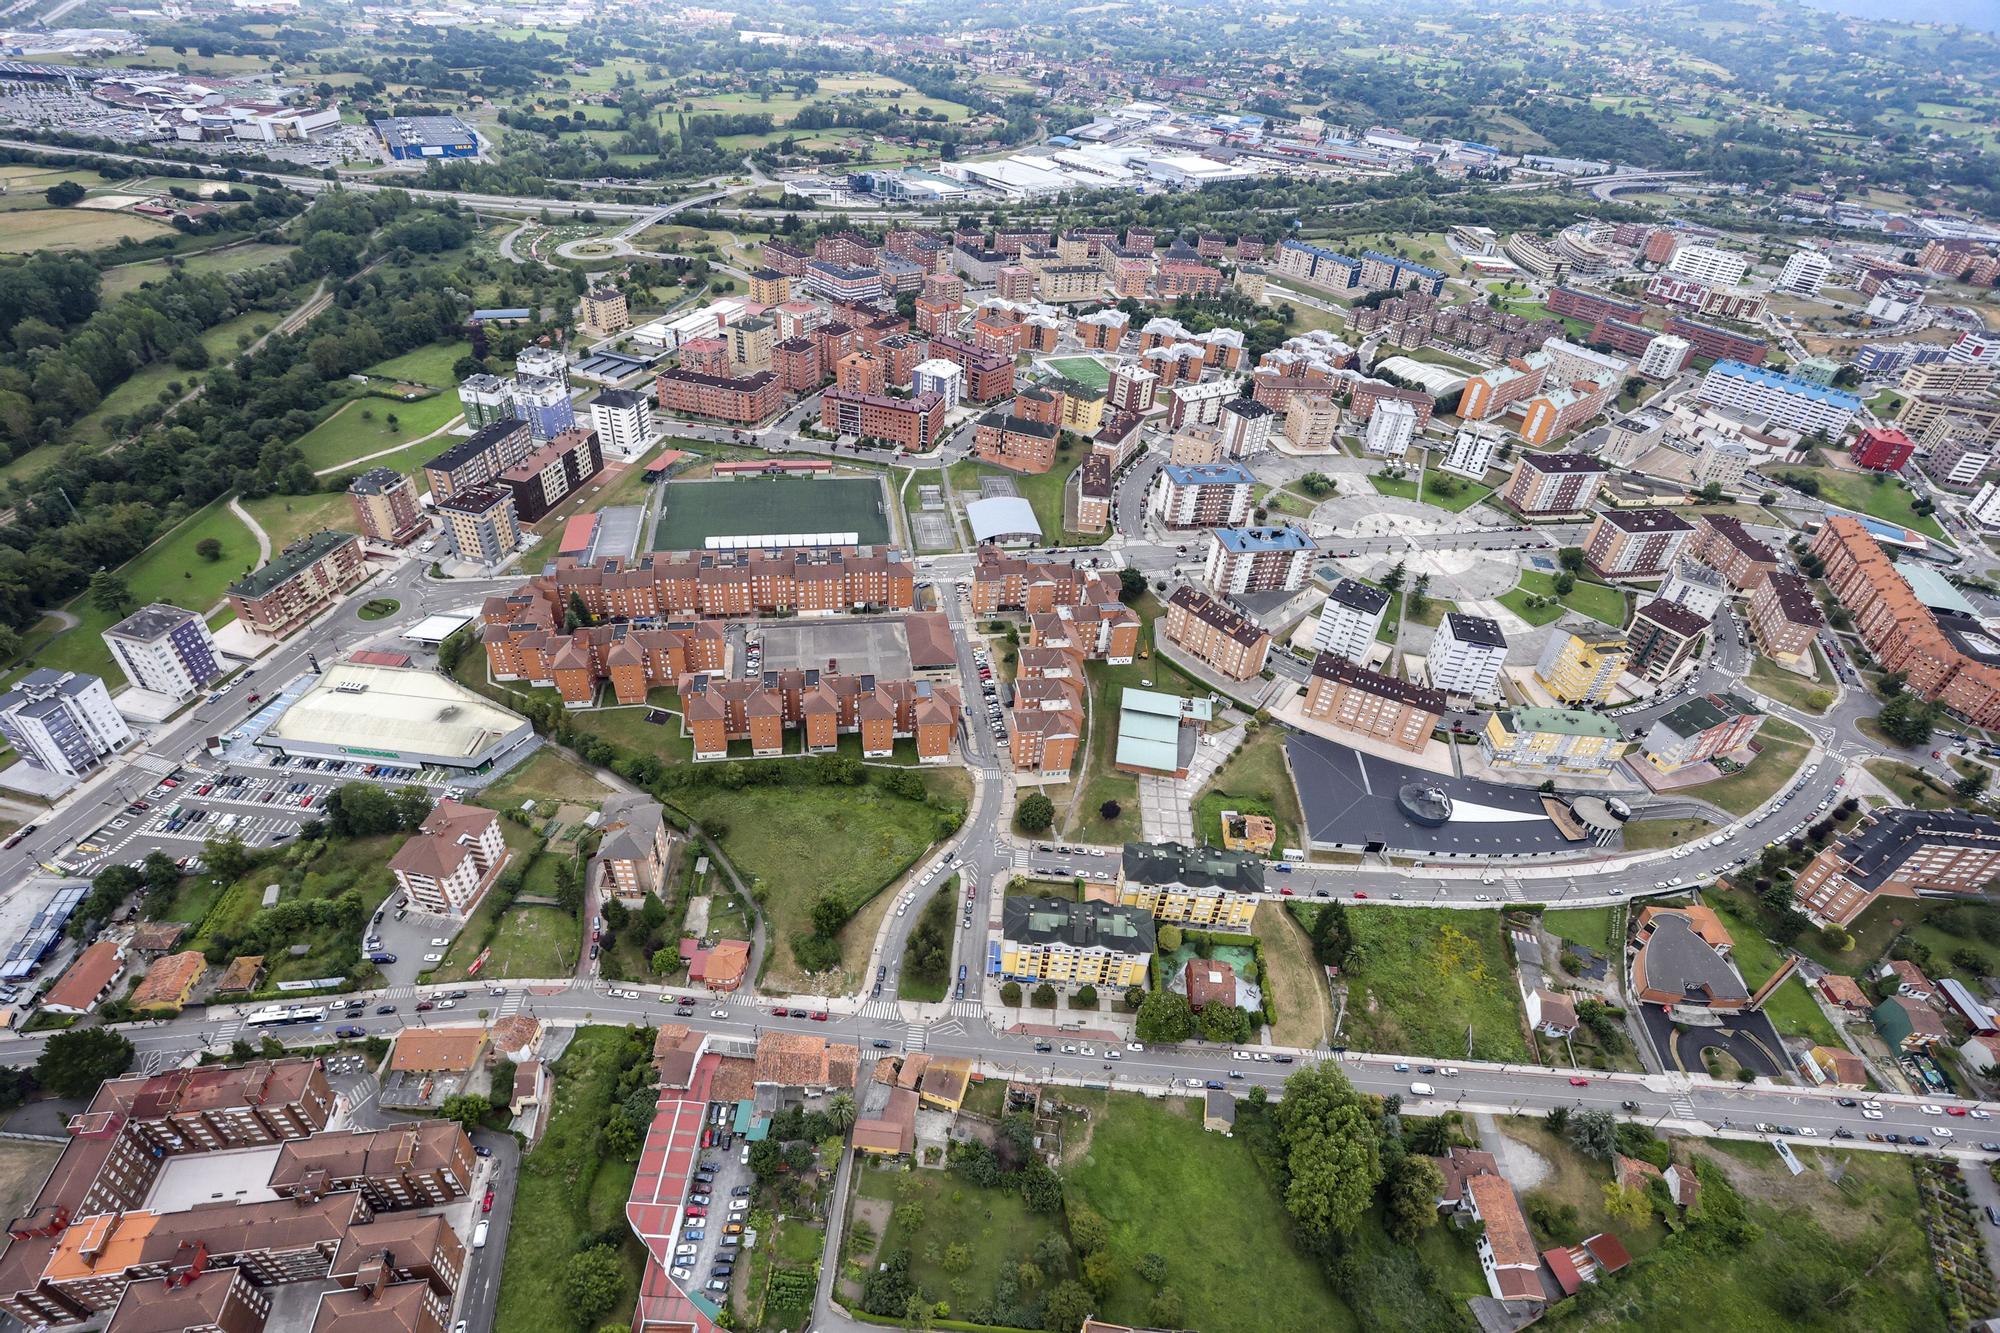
(1255, 781)
(1426, 976)
(38, 230)
(1786, 686)
(427, 365)
(362, 427)
(1149, 1169)
(167, 571)
(848, 841)
(1596, 600)
(1648, 835)
(692, 512)
(126, 278)
(1085, 370)
(1101, 782)
(1782, 749)
(1873, 495)
(147, 384)
(569, 1189)
(1043, 492)
(1589, 926)
(286, 518)
(994, 1224)
(326, 871)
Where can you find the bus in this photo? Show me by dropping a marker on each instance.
(282, 1015)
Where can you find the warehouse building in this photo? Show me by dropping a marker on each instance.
(412, 138)
(415, 718)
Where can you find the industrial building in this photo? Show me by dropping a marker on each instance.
(409, 138)
(415, 718)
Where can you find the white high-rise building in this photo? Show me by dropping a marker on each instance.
(1472, 449)
(938, 376)
(1805, 273)
(1349, 620)
(1466, 655)
(1664, 357)
(165, 649)
(1390, 428)
(1985, 506)
(62, 722)
(543, 363)
(1706, 264)
(623, 421)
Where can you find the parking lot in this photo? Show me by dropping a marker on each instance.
(718, 1202)
(860, 647)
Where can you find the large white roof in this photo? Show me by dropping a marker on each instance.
(393, 708)
(1002, 516)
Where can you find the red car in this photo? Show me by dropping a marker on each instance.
(696, 1210)
(1579, 1083)
(820, 1017)
(781, 1012)
(1359, 894)
(1285, 893)
(1954, 1110)
(487, 1206)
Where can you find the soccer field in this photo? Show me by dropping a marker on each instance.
(1085, 370)
(694, 511)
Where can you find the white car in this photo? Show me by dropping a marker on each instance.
(1135, 1046)
(1928, 1109)
(447, 1004)
(1196, 1083)
(1867, 1114)
(439, 942)
(433, 958)
(1069, 1048)
(1264, 1056)
(684, 1274)
(1941, 1131)
(718, 1013)
(1871, 1106)
(1239, 1055)
(1085, 1050)
(1449, 1071)
(1809, 1132)
(1980, 1115)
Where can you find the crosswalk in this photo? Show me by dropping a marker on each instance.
(884, 1008)
(512, 1003)
(1682, 1103)
(968, 1008)
(915, 1038)
(225, 1031)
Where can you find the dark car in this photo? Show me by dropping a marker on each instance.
(348, 1033)
(879, 1044)
(1215, 1085)
(483, 1151)
(1845, 1101)
(385, 1008)
(1917, 1140)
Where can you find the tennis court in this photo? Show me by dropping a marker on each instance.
(1085, 370)
(691, 512)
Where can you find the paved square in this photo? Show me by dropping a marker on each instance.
(932, 532)
(997, 488)
(876, 646)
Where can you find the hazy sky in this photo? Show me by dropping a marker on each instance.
(1972, 13)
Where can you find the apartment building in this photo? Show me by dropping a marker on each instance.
(487, 399)
(543, 402)
(1245, 427)
(1635, 543)
(1312, 422)
(1882, 449)
(478, 460)
(1726, 546)
(631, 860)
(1132, 388)
(1350, 619)
(912, 424)
(1315, 265)
(1784, 617)
(1810, 409)
(480, 525)
(1581, 664)
(385, 506)
(851, 284)
(1268, 559)
(1490, 393)
(1017, 442)
(1193, 405)
(1665, 356)
(1203, 885)
(552, 473)
(1718, 343)
(165, 649)
(1075, 943)
(741, 401)
(1466, 655)
(622, 420)
(1554, 413)
(1949, 378)
(1354, 699)
(1804, 273)
(1208, 496)
(1472, 451)
(1095, 492)
(1045, 725)
(1663, 637)
(1696, 586)
(1709, 265)
(1103, 330)
(447, 864)
(1550, 485)
(604, 310)
(1034, 583)
(1944, 653)
(1226, 641)
(1899, 853)
(822, 706)
(1095, 629)
(299, 582)
(1699, 730)
(1555, 740)
(524, 640)
(1187, 277)
(989, 374)
(1390, 429)
(665, 585)
(422, 1164)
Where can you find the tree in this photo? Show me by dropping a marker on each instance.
(227, 858)
(593, 1283)
(64, 194)
(1170, 939)
(1969, 787)
(1627, 1203)
(1166, 1308)
(1110, 811)
(1010, 994)
(841, 1111)
(1068, 1306)
(468, 1109)
(1131, 585)
(1571, 559)
(1392, 582)
(1165, 1017)
(209, 549)
(1412, 1197)
(1035, 813)
(1153, 1268)
(1332, 1152)
(1045, 996)
(1593, 1131)
(1836, 939)
(108, 593)
(501, 1092)
(73, 1063)
(1565, 584)
(766, 1157)
(1224, 1023)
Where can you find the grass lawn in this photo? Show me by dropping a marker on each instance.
(1851, 1217)
(1468, 494)
(427, 365)
(850, 841)
(1782, 749)
(306, 872)
(149, 382)
(936, 914)
(1642, 835)
(1912, 785)
(1578, 1181)
(1400, 487)
(994, 1224)
(1788, 687)
(1298, 987)
(534, 941)
(167, 571)
(1580, 925)
(128, 278)
(1596, 600)
(1886, 499)
(1426, 976)
(551, 775)
(33, 230)
(361, 427)
(1148, 1169)
(1255, 781)
(569, 1188)
(1756, 957)
(1797, 1014)
(286, 518)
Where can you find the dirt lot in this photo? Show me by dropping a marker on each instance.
(23, 1168)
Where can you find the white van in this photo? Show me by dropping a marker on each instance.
(1422, 1090)
(479, 1234)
